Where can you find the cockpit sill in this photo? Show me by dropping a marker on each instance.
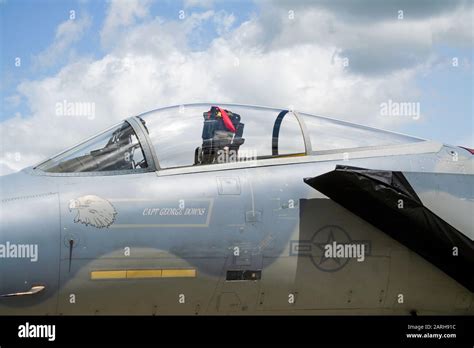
(423, 147)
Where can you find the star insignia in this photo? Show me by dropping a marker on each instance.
(322, 246)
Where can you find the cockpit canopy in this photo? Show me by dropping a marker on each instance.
(206, 134)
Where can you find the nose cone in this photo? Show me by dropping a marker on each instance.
(29, 242)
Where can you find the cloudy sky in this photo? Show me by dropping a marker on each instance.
(342, 59)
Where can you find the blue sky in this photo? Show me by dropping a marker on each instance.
(283, 61)
(27, 28)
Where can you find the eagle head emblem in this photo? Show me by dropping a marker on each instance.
(93, 210)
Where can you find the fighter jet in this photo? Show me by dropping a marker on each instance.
(229, 209)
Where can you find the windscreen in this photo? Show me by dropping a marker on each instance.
(115, 149)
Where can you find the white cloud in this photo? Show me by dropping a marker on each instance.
(223, 22)
(266, 61)
(67, 33)
(372, 46)
(120, 14)
(455, 28)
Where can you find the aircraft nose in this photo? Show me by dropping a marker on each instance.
(29, 239)
(26, 184)
(28, 205)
